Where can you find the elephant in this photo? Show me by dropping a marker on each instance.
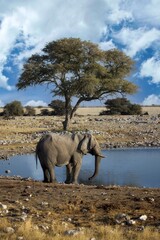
(67, 149)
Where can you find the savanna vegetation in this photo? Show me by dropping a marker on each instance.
(58, 107)
(121, 106)
(14, 108)
(58, 231)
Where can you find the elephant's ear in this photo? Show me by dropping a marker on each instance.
(83, 145)
(92, 142)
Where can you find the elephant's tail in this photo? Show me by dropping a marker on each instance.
(36, 161)
(36, 155)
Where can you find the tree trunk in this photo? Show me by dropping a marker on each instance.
(66, 123)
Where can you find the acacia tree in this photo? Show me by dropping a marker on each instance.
(77, 68)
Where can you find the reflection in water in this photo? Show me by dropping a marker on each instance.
(131, 167)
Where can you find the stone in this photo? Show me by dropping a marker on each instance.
(9, 230)
(143, 217)
(3, 206)
(84, 210)
(44, 203)
(45, 228)
(131, 222)
(23, 217)
(72, 232)
(20, 238)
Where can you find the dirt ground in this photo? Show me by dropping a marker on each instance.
(79, 205)
(82, 205)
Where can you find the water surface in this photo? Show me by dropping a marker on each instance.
(131, 167)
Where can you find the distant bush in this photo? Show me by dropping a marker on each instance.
(30, 111)
(14, 108)
(121, 106)
(46, 112)
(58, 107)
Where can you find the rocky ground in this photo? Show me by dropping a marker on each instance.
(20, 135)
(78, 206)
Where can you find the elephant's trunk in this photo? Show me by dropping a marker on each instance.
(97, 163)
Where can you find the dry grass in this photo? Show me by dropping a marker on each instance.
(29, 231)
(152, 110)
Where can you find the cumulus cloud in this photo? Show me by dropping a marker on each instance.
(38, 103)
(26, 26)
(4, 84)
(136, 40)
(107, 45)
(117, 14)
(37, 22)
(151, 68)
(152, 100)
(144, 12)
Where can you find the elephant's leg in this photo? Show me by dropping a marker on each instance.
(52, 174)
(68, 173)
(46, 175)
(76, 169)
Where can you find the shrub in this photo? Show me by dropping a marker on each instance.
(59, 107)
(30, 111)
(121, 106)
(46, 112)
(14, 108)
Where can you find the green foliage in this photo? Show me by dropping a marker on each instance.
(30, 111)
(59, 107)
(14, 108)
(122, 106)
(46, 112)
(76, 68)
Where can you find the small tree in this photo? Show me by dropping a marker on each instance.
(122, 106)
(30, 111)
(46, 112)
(58, 107)
(14, 108)
(80, 70)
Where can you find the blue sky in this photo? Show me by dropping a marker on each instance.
(26, 26)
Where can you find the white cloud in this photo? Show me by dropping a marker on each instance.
(38, 103)
(151, 68)
(26, 26)
(136, 40)
(4, 84)
(1, 103)
(144, 12)
(152, 100)
(37, 22)
(117, 15)
(107, 45)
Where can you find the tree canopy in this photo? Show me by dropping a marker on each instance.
(80, 69)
